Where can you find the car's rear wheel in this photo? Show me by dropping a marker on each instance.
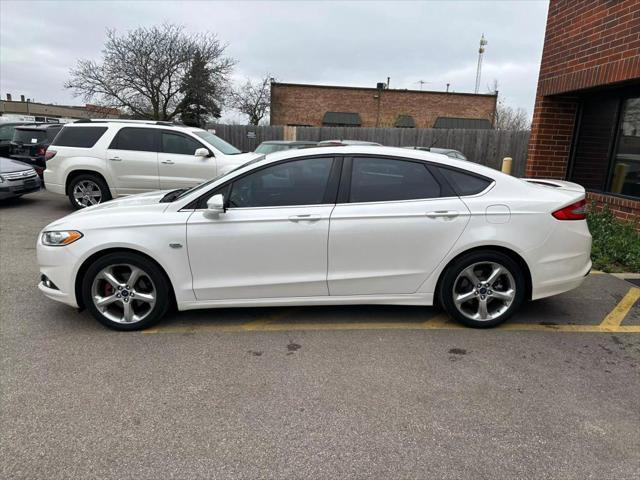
(87, 190)
(126, 291)
(482, 288)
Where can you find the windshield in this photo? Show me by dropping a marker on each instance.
(268, 148)
(29, 136)
(217, 142)
(209, 182)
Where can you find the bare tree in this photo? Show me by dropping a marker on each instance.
(506, 117)
(254, 100)
(143, 70)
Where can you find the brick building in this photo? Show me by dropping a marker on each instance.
(586, 122)
(321, 105)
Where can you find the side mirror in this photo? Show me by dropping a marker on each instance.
(202, 152)
(215, 206)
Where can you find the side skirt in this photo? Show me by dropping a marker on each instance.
(425, 299)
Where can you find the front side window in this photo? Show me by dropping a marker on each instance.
(299, 182)
(135, 139)
(179, 144)
(383, 180)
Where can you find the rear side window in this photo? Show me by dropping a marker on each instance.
(179, 144)
(465, 183)
(136, 139)
(83, 137)
(383, 180)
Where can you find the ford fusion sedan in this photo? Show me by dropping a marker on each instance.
(324, 226)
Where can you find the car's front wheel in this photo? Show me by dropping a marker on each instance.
(482, 288)
(126, 291)
(87, 190)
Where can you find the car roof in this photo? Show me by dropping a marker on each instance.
(133, 123)
(375, 150)
(289, 142)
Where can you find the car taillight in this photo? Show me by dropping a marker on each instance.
(41, 151)
(575, 211)
(49, 154)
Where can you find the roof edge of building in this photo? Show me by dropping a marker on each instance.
(373, 89)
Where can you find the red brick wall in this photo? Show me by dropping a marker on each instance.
(623, 208)
(588, 43)
(306, 105)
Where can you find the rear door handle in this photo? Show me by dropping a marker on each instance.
(304, 218)
(443, 214)
(115, 159)
(167, 162)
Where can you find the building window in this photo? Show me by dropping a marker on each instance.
(341, 119)
(625, 178)
(606, 152)
(405, 121)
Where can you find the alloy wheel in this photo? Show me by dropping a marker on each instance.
(484, 291)
(87, 193)
(123, 293)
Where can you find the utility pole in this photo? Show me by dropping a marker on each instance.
(483, 42)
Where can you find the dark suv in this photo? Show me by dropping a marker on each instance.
(29, 144)
(6, 135)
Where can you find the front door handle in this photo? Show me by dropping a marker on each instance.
(115, 159)
(304, 218)
(167, 162)
(443, 214)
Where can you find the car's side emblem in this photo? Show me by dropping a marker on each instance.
(175, 245)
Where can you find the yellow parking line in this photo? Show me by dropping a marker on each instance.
(612, 321)
(439, 322)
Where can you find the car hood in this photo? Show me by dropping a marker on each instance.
(8, 165)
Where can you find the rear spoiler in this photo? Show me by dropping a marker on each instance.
(560, 184)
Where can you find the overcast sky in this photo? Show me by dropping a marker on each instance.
(335, 43)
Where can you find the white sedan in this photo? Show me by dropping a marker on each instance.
(324, 226)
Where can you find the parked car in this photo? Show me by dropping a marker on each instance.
(6, 135)
(337, 143)
(30, 143)
(449, 152)
(344, 225)
(17, 178)
(272, 146)
(96, 160)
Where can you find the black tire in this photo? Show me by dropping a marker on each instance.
(160, 284)
(105, 193)
(480, 257)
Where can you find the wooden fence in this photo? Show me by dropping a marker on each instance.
(486, 147)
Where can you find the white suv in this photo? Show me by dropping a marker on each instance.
(92, 161)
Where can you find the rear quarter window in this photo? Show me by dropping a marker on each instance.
(464, 183)
(82, 137)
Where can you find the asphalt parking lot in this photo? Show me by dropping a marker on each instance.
(317, 392)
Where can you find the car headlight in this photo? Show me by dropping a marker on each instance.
(60, 238)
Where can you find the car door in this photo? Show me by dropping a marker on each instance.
(179, 167)
(272, 240)
(132, 160)
(393, 224)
